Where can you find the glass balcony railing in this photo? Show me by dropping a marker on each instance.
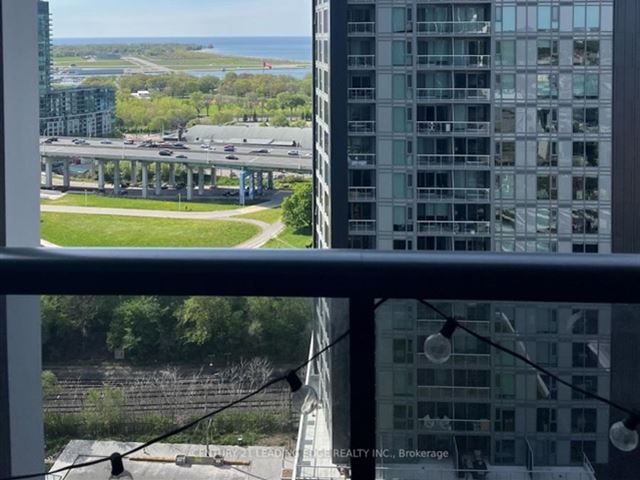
(466, 194)
(440, 127)
(362, 193)
(362, 226)
(362, 94)
(483, 94)
(455, 28)
(454, 227)
(359, 160)
(361, 28)
(448, 60)
(440, 161)
(361, 61)
(362, 126)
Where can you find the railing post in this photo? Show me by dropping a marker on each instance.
(362, 363)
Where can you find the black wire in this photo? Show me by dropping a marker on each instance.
(189, 425)
(497, 346)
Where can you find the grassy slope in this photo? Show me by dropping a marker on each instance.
(78, 200)
(290, 239)
(71, 230)
(271, 215)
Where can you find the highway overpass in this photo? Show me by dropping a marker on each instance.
(250, 164)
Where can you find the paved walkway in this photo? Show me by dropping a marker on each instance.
(267, 230)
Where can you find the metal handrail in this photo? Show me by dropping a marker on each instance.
(321, 273)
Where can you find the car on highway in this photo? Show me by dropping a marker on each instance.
(181, 156)
(229, 148)
(129, 142)
(165, 153)
(261, 150)
(165, 145)
(106, 142)
(231, 157)
(293, 153)
(51, 140)
(180, 146)
(80, 141)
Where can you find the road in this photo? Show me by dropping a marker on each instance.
(267, 231)
(146, 66)
(277, 158)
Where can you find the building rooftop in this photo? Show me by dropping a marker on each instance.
(254, 135)
(265, 463)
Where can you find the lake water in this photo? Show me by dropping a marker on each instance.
(283, 48)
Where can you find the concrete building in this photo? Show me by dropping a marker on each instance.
(82, 111)
(486, 125)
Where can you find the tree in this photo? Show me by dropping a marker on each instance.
(279, 120)
(198, 101)
(298, 207)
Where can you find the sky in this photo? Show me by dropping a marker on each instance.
(180, 18)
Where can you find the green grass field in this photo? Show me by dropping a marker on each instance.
(290, 239)
(80, 62)
(78, 200)
(271, 215)
(78, 230)
(201, 60)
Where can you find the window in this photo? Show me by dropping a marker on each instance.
(582, 448)
(505, 385)
(584, 322)
(399, 155)
(547, 153)
(586, 382)
(402, 350)
(402, 219)
(547, 120)
(505, 220)
(585, 154)
(506, 52)
(402, 417)
(505, 420)
(547, 388)
(505, 154)
(583, 356)
(399, 20)
(505, 452)
(548, 86)
(586, 52)
(583, 420)
(546, 321)
(403, 383)
(505, 19)
(548, 18)
(586, 120)
(546, 420)
(547, 220)
(547, 354)
(585, 221)
(547, 52)
(547, 187)
(585, 248)
(505, 187)
(506, 86)
(586, 85)
(505, 120)
(585, 188)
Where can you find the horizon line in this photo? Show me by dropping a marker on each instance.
(190, 36)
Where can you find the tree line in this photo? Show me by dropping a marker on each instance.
(182, 100)
(150, 329)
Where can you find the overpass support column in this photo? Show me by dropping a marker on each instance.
(116, 177)
(101, 175)
(214, 178)
(200, 181)
(270, 181)
(172, 175)
(145, 179)
(260, 183)
(242, 188)
(134, 173)
(66, 173)
(252, 186)
(48, 169)
(158, 179)
(189, 183)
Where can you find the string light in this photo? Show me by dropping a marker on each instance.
(117, 467)
(437, 348)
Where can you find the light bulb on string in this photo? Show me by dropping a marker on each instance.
(437, 347)
(305, 398)
(117, 468)
(624, 434)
